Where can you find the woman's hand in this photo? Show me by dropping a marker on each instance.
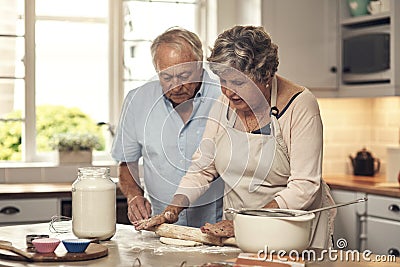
(222, 228)
(272, 205)
(148, 224)
(170, 214)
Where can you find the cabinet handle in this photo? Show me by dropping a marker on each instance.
(333, 69)
(394, 208)
(393, 251)
(9, 210)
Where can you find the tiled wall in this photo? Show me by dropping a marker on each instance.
(353, 123)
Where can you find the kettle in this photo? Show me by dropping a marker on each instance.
(364, 164)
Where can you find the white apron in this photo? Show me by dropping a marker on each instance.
(245, 160)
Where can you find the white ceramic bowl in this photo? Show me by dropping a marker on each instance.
(255, 233)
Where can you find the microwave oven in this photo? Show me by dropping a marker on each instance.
(366, 56)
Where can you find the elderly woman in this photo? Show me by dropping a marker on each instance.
(263, 137)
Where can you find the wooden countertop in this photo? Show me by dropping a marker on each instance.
(38, 190)
(372, 185)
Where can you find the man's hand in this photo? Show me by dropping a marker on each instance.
(165, 217)
(139, 208)
(222, 228)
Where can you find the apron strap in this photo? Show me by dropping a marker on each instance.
(274, 93)
(275, 128)
(232, 119)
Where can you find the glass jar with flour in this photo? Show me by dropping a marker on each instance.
(94, 204)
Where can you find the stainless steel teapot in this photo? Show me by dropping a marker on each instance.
(364, 164)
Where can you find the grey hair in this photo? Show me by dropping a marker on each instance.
(181, 39)
(248, 49)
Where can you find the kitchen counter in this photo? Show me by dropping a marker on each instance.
(373, 185)
(128, 244)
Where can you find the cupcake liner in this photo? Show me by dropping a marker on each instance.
(76, 245)
(46, 245)
(29, 246)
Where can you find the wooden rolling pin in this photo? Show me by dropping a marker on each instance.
(192, 234)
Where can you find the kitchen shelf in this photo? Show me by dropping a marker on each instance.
(365, 19)
(368, 90)
(388, 22)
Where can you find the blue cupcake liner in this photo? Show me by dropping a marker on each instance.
(76, 245)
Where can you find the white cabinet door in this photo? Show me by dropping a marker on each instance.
(383, 225)
(306, 32)
(383, 236)
(348, 226)
(19, 211)
(384, 207)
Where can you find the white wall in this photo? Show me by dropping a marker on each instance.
(234, 12)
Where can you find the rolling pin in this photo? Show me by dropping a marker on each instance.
(192, 234)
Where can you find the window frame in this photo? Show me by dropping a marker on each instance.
(116, 74)
(29, 152)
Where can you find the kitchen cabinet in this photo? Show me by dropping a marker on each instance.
(121, 212)
(350, 220)
(374, 225)
(35, 210)
(28, 203)
(19, 211)
(382, 22)
(306, 33)
(383, 225)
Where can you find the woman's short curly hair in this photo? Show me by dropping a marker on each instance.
(248, 49)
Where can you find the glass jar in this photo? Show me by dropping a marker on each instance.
(94, 204)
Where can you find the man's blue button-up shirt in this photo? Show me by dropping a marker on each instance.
(150, 127)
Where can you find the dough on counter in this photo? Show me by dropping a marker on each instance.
(179, 242)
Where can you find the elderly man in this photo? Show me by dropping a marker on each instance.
(163, 122)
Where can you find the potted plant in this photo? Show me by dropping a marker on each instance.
(75, 147)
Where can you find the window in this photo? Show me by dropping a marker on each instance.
(143, 21)
(65, 53)
(12, 72)
(57, 55)
(72, 55)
